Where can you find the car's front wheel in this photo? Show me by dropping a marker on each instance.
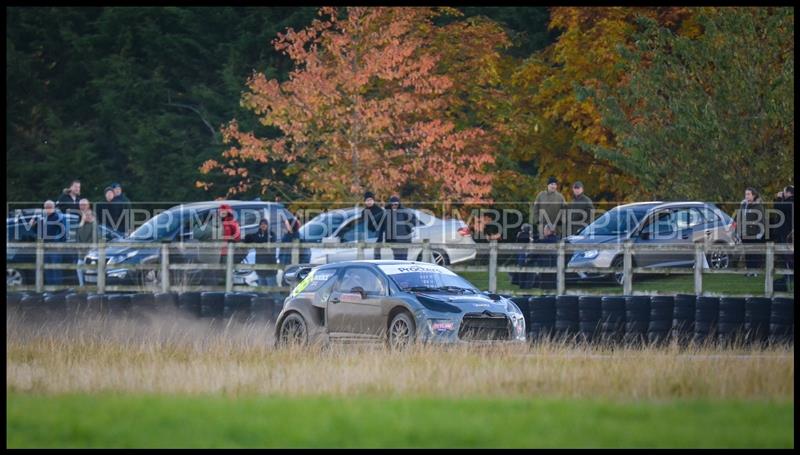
(14, 277)
(293, 331)
(718, 259)
(402, 331)
(619, 277)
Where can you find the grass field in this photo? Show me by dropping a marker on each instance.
(107, 420)
(175, 382)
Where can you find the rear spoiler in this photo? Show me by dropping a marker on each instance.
(296, 273)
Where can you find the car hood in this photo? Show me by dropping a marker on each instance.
(594, 240)
(461, 303)
(146, 248)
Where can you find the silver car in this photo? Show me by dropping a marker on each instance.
(655, 223)
(341, 227)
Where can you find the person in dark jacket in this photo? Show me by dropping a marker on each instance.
(398, 226)
(372, 217)
(546, 258)
(125, 208)
(264, 255)
(752, 225)
(109, 212)
(523, 279)
(579, 210)
(67, 202)
(51, 227)
(291, 232)
(784, 232)
(88, 232)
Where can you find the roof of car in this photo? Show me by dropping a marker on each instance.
(216, 204)
(375, 262)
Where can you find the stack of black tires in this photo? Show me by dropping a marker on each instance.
(659, 319)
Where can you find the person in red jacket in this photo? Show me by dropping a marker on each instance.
(230, 227)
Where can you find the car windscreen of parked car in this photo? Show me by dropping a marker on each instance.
(616, 221)
(321, 226)
(425, 277)
(159, 227)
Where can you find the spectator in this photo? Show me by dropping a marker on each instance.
(124, 210)
(231, 232)
(579, 212)
(67, 202)
(546, 258)
(372, 218)
(399, 222)
(51, 227)
(484, 230)
(524, 279)
(264, 256)
(208, 231)
(784, 204)
(83, 206)
(109, 211)
(548, 208)
(291, 231)
(752, 227)
(88, 232)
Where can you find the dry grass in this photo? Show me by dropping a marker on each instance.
(176, 355)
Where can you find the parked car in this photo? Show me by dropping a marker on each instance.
(175, 225)
(343, 226)
(396, 302)
(655, 223)
(18, 230)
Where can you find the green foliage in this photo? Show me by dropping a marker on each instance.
(162, 421)
(705, 117)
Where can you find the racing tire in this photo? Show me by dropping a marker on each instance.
(293, 331)
(756, 320)
(402, 331)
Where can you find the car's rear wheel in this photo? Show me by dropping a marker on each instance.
(150, 278)
(619, 277)
(718, 259)
(14, 277)
(401, 331)
(293, 331)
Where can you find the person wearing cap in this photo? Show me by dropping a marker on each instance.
(548, 208)
(579, 210)
(108, 212)
(398, 226)
(372, 217)
(264, 255)
(124, 209)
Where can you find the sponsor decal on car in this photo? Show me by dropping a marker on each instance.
(397, 269)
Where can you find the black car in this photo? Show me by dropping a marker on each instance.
(176, 225)
(18, 230)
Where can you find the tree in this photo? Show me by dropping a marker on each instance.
(704, 118)
(365, 107)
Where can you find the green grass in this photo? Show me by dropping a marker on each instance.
(107, 420)
(728, 284)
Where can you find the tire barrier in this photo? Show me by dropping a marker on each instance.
(637, 319)
(683, 318)
(189, 303)
(781, 320)
(662, 308)
(566, 316)
(612, 319)
(589, 310)
(212, 304)
(706, 312)
(756, 320)
(730, 320)
(542, 316)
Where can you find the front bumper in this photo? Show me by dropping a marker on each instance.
(426, 334)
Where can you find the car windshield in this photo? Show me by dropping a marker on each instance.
(428, 277)
(617, 221)
(321, 226)
(161, 226)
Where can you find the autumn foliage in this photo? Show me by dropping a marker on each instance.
(364, 108)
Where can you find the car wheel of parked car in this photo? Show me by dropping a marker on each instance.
(401, 331)
(718, 259)
(619, 277)
(14, 277)
(293, 331)
(150, 278)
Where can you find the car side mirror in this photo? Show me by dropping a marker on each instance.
(360, 291)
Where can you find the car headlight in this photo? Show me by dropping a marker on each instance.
(121, 258)
(591, 254)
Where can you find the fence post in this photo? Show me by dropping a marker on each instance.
(39, 265)
(101, 268)
(359, 250)
(627, 269)
(295, 251)
(699, 256)
(165, 268)
(229, 269)
(770, 271)
(493, 266)
(426, 250)
(560, 282)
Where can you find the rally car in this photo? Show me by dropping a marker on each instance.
(393, 302)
